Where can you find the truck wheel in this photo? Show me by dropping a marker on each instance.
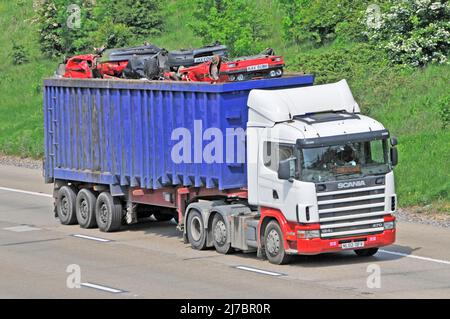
(274, 244)
(108, 212)
(196, 230)
(220, 235)
(85, 208)
(163, 215)
(65, 206)
(366, 252)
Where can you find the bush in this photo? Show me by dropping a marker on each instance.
(142, 17)
(112, 34)
(48, 24)
(73, 26)
(19, 54)
(237, 23)
(335, 63)
(414, 32)
(321, 21)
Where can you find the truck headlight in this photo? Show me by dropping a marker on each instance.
(389, 225)
(308, 234)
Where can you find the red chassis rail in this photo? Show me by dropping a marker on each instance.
(178, 198)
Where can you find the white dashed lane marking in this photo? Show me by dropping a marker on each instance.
(103, 240)
(439, 261)
(21, 228)
(25, 192)
(259, 271)
(102, 288)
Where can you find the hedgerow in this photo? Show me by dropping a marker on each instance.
(414, 32)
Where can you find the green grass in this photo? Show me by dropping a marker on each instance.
(405, 101)
(21, 129)
(408, 106)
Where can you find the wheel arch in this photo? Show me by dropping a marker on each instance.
(268, 215)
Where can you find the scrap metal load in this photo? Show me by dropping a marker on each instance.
(207, 64)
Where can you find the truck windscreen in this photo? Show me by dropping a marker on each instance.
(343, 161)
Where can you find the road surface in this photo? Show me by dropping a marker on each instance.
(39, 258)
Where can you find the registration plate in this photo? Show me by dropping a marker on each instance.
(202, 59)
(352, 245)
(257, 67)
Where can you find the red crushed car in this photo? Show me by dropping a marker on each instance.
(240, 69)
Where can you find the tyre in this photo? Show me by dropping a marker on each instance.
(151, 68)
(366, 252)
(196, 230)
(143, 211)
(65, 206)
(108, 212)
(274, 244)
(85, 208)
(163, 215)
(220, 233)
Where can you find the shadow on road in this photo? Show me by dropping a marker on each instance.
(343, 258)
(168, 230)
(151, 226)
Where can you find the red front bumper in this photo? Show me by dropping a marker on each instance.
(318, 245)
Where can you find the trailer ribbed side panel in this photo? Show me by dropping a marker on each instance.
(120, 132)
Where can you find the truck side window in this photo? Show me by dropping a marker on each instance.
(267, 153)
(273, 153)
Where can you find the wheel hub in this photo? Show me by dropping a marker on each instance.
(64, 206)
(273, 242)
(220, 233)
(84, 209)
(104, 213)
(195, 229)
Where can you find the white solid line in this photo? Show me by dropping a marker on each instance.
(103, 240)
(108, 289)
(265, 272)
(24, 192)
(446, 262)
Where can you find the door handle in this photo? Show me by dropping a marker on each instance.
(275, 194)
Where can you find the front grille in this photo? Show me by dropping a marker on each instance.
(352, 212)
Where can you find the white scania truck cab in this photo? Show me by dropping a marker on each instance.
(320, 178)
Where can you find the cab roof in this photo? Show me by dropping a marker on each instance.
(285, 104)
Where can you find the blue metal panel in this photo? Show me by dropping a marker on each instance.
(119, 132)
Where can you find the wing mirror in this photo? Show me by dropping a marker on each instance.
(394, 141)
(286, 169)
(394, 152)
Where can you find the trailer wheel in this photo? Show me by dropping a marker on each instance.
(366, 252)
(274, 244)
(85, 208)
(220, 234)
(196, 230)
(65, 206)
(108, 212)
(163, 215)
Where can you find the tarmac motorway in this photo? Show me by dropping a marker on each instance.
(39, 258)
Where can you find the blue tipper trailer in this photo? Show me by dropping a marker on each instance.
(115, 136)
(119, 132)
